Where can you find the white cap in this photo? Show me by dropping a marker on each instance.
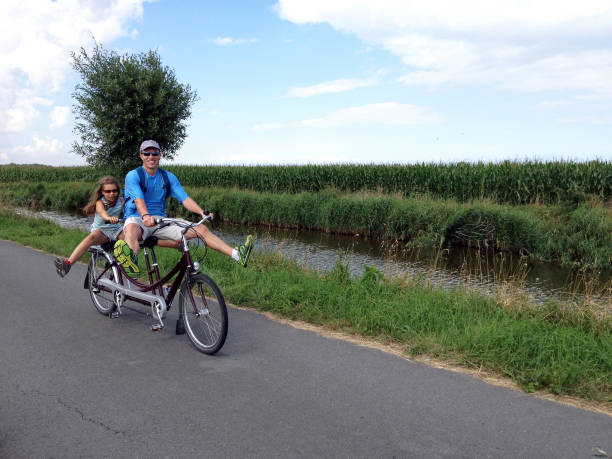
(148, 144)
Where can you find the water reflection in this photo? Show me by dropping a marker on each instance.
(485, 271)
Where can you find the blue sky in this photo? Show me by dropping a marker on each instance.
(295, 82)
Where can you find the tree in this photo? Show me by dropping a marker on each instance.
(123, 100)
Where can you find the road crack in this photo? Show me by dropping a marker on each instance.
(74, 409)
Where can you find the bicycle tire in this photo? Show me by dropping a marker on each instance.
(103, 300)
(206, 321)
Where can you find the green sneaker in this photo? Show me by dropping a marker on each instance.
(245, 251)
(127, 258)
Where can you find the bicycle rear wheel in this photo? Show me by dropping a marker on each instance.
(102, 299)
(204, 313)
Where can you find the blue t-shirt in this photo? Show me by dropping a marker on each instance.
(155, 196)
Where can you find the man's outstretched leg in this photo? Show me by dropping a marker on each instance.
(244, 251)
(241, 254)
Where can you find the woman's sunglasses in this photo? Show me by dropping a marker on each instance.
(147, 153)
(114, 190)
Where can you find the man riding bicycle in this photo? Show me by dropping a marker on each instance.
(146, 190)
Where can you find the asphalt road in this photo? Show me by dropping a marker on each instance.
(77, 384)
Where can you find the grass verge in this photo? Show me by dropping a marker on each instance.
(553, 347)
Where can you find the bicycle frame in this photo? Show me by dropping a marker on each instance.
(152, 293)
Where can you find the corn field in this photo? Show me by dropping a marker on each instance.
(507, 182)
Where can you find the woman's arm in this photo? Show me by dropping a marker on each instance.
(101, 211)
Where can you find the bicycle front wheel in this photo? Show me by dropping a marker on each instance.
(203, 309)
(102, 298)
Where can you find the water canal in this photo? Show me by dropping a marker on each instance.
(485, 271)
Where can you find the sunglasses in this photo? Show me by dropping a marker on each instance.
(147, 153)
(111, 191)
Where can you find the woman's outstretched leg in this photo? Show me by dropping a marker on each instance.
(62, 266)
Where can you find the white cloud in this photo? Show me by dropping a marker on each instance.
(271, 126)
(334, 86)
(18, 108)
(59, 116)
(36, 38)
(229, 41)
(385, 113)
(50, 146)
(598, 119)
(524, 45)
(39, 150)
(310, 157)
(552, 104)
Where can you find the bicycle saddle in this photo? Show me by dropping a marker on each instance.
(108, 246)
(149, 242)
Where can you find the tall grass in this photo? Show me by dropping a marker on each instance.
(507, 182)
(48, 174)
(572, 236)
(58, 196)
(555, 233)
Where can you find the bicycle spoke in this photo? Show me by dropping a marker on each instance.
(205, 314)
(210, 326)
(102, 298)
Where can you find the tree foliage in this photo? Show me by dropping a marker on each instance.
(123, 100)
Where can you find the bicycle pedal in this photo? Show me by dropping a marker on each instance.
(114, 315)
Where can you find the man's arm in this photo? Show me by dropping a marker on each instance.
(141, 207)
(193, 206)
(181, 196)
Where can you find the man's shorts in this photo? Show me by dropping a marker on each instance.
(171, 232)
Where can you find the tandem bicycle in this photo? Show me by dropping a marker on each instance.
(201, 306)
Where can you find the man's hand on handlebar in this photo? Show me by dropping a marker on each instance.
(207, 215)
(148, 220)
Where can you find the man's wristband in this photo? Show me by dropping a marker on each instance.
(145, 215)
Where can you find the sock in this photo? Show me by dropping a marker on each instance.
(235, 255)
(67, 262)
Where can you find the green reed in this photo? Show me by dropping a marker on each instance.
(581, 235)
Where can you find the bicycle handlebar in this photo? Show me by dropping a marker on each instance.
(181, 223)
(159, 221)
